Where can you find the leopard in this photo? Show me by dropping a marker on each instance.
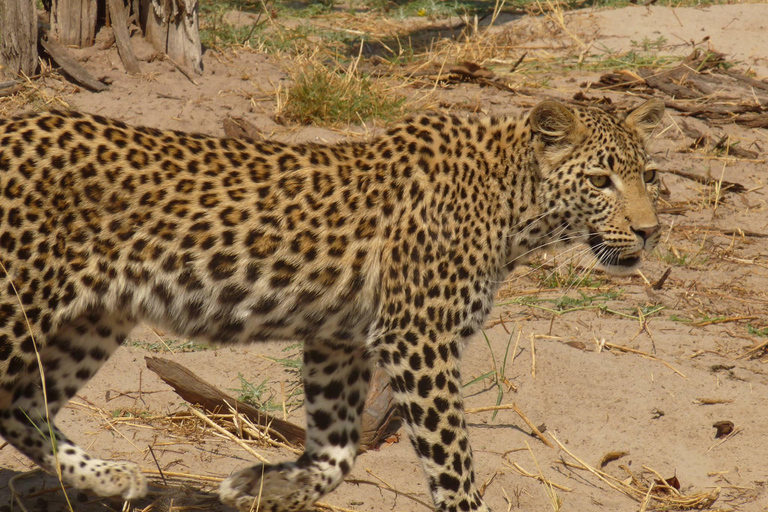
(384, 253)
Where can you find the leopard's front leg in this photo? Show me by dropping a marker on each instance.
(336, 378)
(424, 371)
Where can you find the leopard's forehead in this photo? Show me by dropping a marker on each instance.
(616, 146)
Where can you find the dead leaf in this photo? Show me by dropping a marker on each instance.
(610, 457)
(723, 428)
(472, 70)
(239, 128)
(671, 482)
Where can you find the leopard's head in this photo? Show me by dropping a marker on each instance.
(597, 182)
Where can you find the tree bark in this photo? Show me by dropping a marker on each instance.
(380, 412)
(172, 27)
(69, 65)
(18, 37)
(73, 22)
(196, 391)
(116, 9)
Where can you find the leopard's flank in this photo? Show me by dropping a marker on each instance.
(383, 252)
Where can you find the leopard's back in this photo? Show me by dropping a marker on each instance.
(220, 239)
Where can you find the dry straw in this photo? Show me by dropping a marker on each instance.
(657, 494)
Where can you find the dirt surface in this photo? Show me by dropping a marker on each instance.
(607, 364)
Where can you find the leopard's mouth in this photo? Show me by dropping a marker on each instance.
(610, 257)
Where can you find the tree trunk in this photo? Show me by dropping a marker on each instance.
(172, 27)
(18, 37)
(73, 22)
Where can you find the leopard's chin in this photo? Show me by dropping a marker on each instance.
(613, 261)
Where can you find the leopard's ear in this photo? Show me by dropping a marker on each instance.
(645, 118)
(553, 120)
(558, 128)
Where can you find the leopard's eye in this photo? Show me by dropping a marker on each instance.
(599, 180)
(649, 175)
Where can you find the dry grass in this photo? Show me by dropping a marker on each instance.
(45, 91)
(326, 94)
(656, 491)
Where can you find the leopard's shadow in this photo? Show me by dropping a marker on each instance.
(37, 491)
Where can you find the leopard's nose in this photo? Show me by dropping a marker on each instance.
(646, 232)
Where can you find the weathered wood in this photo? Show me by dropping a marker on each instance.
(196, 391)
(9, 84)
(172, 27)
(726, 186)
(18, 37)
(701, 139)
(239, 128)
(122, 37)
(69, 65)
(73, 22)
(380, 411)
(750, 81)
(753, 120)
(9, 88)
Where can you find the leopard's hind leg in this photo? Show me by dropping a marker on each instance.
(336, 381)
(35, 391)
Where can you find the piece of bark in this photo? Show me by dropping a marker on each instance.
(172, 27)
(727, 186)
(196, 391)
(715, 112)
(9, 88)
(122, 37)
(69, 65)
(747, 80)
(379, 415)
(18, 38)
(380, 412)
(701, 139)
(753, 120)
(73, 22)
(239, 128)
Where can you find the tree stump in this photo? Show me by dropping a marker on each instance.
(171, 26)
(116, 9)
(73, 22)
(18, 37)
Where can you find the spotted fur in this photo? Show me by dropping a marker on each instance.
(381, 252)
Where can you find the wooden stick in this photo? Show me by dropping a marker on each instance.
(122, 37)
(68, 64)
(645, 354)
(725, 320)
(533, 428)
(196, 391)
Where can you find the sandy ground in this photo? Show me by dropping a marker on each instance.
(688, 363)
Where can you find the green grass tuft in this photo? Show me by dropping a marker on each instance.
(325, 96)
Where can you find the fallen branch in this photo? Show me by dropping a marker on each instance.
(726, 186)
(62, 57)
(725, 320)
(379, 412)
(724, 144)
(196, 391)
(696, 87)
(646, 355)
